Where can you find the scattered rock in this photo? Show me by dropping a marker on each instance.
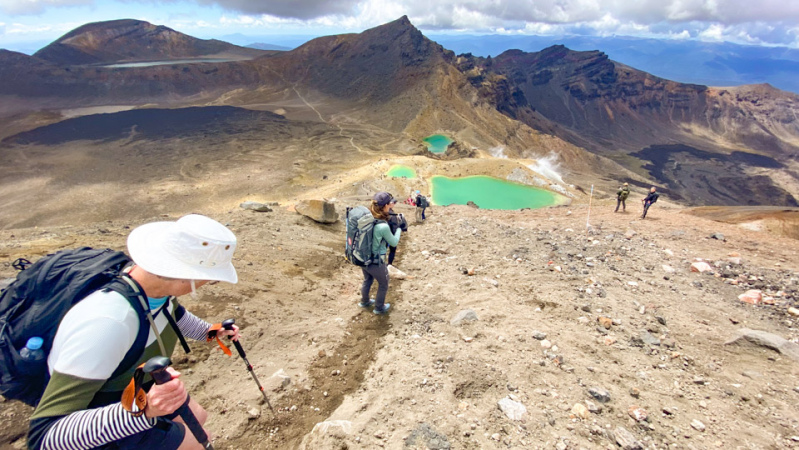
(626, 440)
(635, 392)
(278, 381)
(768, 340)
(668, 269)
(752, 296)
(579, 411)
(793, 311)
(599, 394)
(463, 315)
(648, 338)
(637, 413)
(605, 322)
(255, 206)
(546, 344)
(717, 236)
(336, 427)
(539, 335)
(701, 267)
(396, 274)
(697, 425)
(472, 204)
(630, 234)
(514, 410)
(425, 436)
(320, 211)
(593, 408)
(254, 413)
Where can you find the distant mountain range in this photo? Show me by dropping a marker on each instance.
(602, 118)
(686, 61)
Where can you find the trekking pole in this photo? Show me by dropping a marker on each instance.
(228, 325)
(156, 367)
(587, 219)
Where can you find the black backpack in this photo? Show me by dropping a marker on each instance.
(421, 201)
(35, 303)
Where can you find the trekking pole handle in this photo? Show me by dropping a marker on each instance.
(228, 325)
(156, 367)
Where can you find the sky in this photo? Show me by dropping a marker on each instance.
(26, 25)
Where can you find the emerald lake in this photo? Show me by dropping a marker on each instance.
(401, 171)
(437, 143)
(490, 193)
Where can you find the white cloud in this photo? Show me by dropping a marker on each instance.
(26, 7)
(750, 21)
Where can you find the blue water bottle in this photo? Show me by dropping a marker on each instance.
(33, 350)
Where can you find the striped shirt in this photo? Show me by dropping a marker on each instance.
(89, 345)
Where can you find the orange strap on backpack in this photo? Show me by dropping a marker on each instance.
(135, 394)
(213, 334)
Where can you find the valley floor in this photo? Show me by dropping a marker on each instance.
(541, 290)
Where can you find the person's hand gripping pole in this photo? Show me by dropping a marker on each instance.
(156, 367)
(228, 325)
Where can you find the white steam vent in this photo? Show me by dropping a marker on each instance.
(498, 152)
(548, 166)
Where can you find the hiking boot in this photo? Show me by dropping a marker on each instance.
(369, 304)
(385, 309)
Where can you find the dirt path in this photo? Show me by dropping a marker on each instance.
(540, 286)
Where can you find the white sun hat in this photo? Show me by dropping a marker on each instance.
(193, 248)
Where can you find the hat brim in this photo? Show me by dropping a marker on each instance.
(147, 244)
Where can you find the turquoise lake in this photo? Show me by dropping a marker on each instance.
(437, 143)
(401, 171)
(490, 193)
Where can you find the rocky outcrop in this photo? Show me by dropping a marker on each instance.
(455, 150)
(320, 211)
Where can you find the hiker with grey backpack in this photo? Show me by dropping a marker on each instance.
(368, 239)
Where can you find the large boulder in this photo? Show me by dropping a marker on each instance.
(319, 210)
(767, 340)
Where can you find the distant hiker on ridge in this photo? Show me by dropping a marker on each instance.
(410, 200)
(81, 405)
(648, 200)
(421, 205)
(382, 237)
(621, 197)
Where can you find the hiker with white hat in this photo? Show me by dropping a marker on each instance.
(81, 405)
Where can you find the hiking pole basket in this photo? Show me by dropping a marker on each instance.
(228, 325)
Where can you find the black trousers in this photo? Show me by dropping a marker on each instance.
(646, 208)
(620, 201)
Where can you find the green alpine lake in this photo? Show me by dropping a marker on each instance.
(401, 171)
(437, 143)
(490, 193)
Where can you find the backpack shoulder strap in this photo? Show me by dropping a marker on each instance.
(140, 343)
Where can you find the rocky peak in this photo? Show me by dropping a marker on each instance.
(130, 40)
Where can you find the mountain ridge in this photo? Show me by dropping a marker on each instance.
(131, 40)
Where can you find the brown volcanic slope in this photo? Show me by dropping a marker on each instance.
(390, 77)
(615, 110)
(399, 87)
(133, 40)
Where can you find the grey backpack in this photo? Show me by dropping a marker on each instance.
(360, 228)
